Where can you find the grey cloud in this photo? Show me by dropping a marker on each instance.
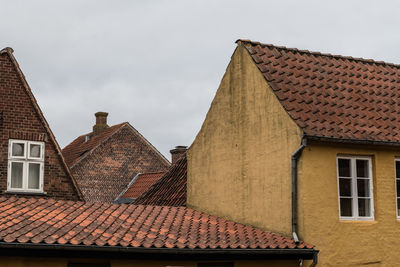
(158, 64)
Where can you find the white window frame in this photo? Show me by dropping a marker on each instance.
(395, 186)
(354, 193)
(26, 160)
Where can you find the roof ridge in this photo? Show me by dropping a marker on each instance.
(7, 50)
(118, 124)
(316, 53)
(89, 152)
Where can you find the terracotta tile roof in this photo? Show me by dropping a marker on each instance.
(141, 183)
(332, 96)
(74, 151)
(170, 190)
(48, 221)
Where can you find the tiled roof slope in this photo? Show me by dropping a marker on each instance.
(48, 221)
(79, 147)
(141, 184)
(333, 96)
(170, 190)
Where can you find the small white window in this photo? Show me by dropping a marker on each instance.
(355, 188)
(25, 166)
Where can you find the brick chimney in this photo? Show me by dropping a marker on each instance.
(177, 153)
(101, 123)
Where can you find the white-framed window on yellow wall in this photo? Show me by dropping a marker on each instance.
(397, 175)
(355, 188)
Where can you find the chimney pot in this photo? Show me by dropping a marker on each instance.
(101, 123)
(177, 153)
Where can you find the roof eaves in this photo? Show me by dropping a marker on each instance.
(118, 251)
(350, 141)
(9, 51)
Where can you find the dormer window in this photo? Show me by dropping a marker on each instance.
(25, 166)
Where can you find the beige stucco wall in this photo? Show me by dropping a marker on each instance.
(53, 262)
(348, 243)
(239, 163)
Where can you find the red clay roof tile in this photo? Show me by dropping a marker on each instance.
(50, 221)
(170, 190)
(331, 96)
(141, 184)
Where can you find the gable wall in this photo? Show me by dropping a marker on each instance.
(21, 121)
(107, 170)
(239, 164)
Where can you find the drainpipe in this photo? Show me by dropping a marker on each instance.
(295, 156)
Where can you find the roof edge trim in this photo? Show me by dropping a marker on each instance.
(127, 187)
(305, 253)
(371, 61)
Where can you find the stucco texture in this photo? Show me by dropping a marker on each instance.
(348, 243)
(239, 164)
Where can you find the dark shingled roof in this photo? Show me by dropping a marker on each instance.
(331, 96)
(170, 190)
(58, 222)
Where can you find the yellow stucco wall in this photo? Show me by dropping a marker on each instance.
(348, 243)
(239, 163)
(53, 262)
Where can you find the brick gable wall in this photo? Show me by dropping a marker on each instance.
(20, 120)
(107, 170)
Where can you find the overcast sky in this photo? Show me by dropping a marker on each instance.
(158, 64)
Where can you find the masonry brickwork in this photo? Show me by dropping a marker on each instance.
(20, 119)
(106, 170)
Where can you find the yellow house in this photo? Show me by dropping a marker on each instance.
(305, 144)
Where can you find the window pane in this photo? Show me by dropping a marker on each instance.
(18, 149)
(34, 151)
(344, 167)
(398, 188)
(363, 187)
(397, 169)
(345, 207)
(364, 209)
(345, 187)
(398, 207)
(362, 168)
(16, 174)
(33, 176)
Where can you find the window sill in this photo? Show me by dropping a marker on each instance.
(359, 221)
(24, 193)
